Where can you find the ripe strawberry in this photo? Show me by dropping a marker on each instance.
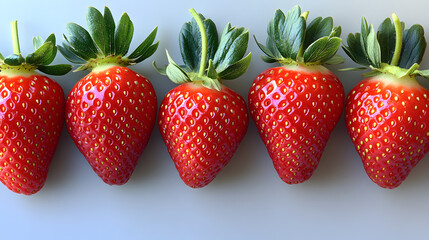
(387, 113)
(31, 115)
(201, 121)
(110, 113)
(296, 106)
(202, 129)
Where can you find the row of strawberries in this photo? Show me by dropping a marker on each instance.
(111, 112)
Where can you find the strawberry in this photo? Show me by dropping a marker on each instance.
(31, 114)
(202, 121)
(296, 106)
(111, 112)
(387, 114)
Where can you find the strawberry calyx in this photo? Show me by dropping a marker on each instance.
(43, 55)
(106, 62)
(292, 41)
(104, 44)
(391, 50)
(208, 60)
(304, 68)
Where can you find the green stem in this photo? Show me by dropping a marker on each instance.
(301, 49)
(203, 41)
(398, 44)
(15, 40)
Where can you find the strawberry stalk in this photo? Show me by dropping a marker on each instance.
(15, 38)
(15, 44)
(203, 42)
(398, 43)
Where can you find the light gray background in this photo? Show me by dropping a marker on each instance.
(247, 200)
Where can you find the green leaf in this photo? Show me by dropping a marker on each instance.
(212, 38)
(212, 83)
(336, 59)
(37, 42)
(70, 54)
(411, 70)
(287, 32)
(373, 48)
(371, 73)
(232, 47)
(336, 32)
(190, 42)
(80, 39)
(123, 35)
(322, 49)
(423, 73)
(82, 68)
(51, 38)
(236, 70)
(413, 46)
(265, 49)
(110, 29)
(1, 57)
(386, 37)
(144, 45)
(149, 52)
(160, 70)
(268, 59)
(175, 73)
(353, 69)
(318, 28)
(50, 56)
(60, 69)
(211, 71)
(355, 50)
(44, 55)
(272, 46)
(97, 29)
(364, 31)
(14, 60)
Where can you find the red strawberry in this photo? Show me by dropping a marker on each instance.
(295, 111)
(201, 121)
(296, 106)
(387, 114)
(31, 115)
(110, 113)
(110, 117)
(202, 129)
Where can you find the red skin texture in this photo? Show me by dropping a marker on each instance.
(202, 129)
(295, 111)
(110, 116)
(31, 120)
(389, 126)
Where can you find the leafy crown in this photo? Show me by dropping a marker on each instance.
(105, 43)
(290, 40)
(392, 49)
(43, 55)
(206, 58)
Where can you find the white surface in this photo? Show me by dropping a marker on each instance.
(247, 200)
